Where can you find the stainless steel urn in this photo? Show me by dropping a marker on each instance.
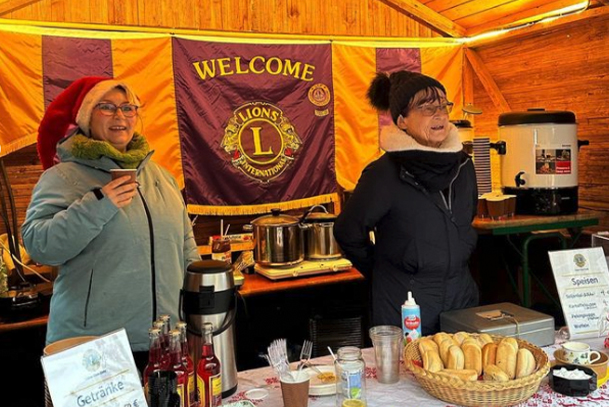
(208, 295)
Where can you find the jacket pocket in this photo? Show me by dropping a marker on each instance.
(425, 256)
(89, 290)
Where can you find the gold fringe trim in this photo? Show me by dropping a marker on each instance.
(262, 208)
(18, 144)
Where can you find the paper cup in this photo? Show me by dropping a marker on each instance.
(117, 173)
(295, 389)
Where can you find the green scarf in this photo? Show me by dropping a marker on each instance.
(89, 149)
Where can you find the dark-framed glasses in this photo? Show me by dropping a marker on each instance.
(430, 110)
(109, 109)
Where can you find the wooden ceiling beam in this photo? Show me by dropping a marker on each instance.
(11, 5)
(604, 2)
(513, 16)
(599, 12)
(487, 81)
(427, 16)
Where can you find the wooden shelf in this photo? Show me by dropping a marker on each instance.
(256, 284)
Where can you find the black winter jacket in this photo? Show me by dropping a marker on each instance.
(423, 240)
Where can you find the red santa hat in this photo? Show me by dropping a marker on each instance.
(73, 107)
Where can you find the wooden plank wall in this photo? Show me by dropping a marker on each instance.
(566, 68)
(320, 17)
(366, 18)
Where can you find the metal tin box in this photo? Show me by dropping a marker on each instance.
(504, 319)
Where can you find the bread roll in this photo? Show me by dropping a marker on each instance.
(432, 361)
(494, 373)
(426, 344)
(473, 357)
(456, 359)
(489, 354)
(440, 337)
(513, 343)
(444, 347)
(472, 341)
(460, 337)
(465, 374)
(484, 339)
(506, 358)
(525, 363)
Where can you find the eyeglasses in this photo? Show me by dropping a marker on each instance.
(109, 109)
(430, 110)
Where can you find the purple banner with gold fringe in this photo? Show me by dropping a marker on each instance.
(256, 125)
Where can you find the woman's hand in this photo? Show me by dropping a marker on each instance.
(120, 191)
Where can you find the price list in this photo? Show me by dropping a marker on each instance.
(582, 280)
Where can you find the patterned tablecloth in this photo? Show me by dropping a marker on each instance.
(407, 391)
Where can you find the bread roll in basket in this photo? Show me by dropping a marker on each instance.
(480, 392)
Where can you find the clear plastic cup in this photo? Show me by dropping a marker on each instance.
(387, 342)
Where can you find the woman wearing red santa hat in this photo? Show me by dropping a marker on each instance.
(121, 247)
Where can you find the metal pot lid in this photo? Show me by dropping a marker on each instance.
(537, 115)
(315, 217)
(462, 124)
(276, 218)
(209, 267)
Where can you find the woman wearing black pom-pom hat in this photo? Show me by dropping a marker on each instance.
(419, 199)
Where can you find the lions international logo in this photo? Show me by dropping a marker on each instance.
(580, 260)
(319, 94)
(92, 360)
(260, 140)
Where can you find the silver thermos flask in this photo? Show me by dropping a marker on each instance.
(208, 295)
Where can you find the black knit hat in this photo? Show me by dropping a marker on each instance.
(395, 92)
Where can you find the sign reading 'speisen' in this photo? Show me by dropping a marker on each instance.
(260, 140)
(256, 125)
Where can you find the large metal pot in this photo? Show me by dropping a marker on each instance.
(319, 235)
(279, 240)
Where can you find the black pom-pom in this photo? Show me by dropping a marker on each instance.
(378, 92)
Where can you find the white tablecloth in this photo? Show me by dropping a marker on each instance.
(407, 391)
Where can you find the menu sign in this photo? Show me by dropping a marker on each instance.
(582, 280)
(100, 372)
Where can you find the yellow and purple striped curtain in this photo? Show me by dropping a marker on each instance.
(357, 124)
(37, 63)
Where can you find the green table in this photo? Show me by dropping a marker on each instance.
(535, 228)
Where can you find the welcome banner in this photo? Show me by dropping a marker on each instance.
(256, 125)
(244, 125)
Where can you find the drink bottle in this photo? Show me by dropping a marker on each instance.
(209, 376)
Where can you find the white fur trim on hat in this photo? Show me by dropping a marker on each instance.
(83, 118)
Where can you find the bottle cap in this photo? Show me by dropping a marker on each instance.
(410, 300)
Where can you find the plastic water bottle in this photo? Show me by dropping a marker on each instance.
(411, 319)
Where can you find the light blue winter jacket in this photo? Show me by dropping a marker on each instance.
(117, 267)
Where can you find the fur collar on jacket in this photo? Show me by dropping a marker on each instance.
(393, 139)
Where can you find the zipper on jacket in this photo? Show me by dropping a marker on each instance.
(449, 204)
(152, 263)
(87, 300)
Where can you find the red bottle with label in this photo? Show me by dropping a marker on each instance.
(154, 357)
(209, 376)
(176, 365)
(188, 363)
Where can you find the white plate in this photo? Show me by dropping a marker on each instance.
(316, 387)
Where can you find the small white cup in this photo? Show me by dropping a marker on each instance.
(579, 353)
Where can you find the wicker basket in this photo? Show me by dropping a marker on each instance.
(479, 393)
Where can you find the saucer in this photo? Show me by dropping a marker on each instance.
(316, 386)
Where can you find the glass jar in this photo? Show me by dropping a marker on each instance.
(350, 377)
